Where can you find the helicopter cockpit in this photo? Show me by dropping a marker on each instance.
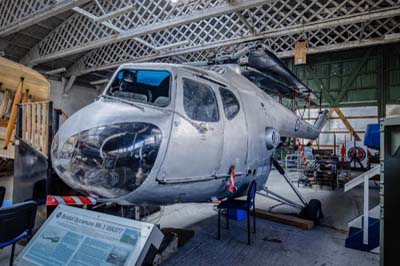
(113, 158)
(144, 86)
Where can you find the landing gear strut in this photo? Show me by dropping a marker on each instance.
(311, 210)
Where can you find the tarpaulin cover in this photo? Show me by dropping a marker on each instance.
(372, 136)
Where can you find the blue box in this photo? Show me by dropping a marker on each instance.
(372, 136)
(237, 215)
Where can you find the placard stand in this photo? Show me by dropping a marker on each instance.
(77, 237)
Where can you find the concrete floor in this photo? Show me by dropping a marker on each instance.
(274, 244)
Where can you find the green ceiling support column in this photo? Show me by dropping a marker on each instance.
(381, 81)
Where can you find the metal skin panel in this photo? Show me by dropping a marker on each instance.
(235, 150)
(192, 165)
(184, 136)
(258, 155)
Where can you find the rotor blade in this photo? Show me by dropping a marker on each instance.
(276, 72)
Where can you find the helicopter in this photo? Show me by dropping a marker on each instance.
(166, 133)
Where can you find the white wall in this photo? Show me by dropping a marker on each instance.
(337, 125)
(77, 98)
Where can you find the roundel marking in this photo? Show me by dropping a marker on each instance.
(297, 125)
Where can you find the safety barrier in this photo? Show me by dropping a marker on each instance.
(53, 200)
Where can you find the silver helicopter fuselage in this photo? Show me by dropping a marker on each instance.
(132, 152)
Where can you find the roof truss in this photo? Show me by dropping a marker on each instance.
(195, 31)
(17, 15)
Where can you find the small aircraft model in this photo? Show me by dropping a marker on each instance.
(55, 238)
(163, 133)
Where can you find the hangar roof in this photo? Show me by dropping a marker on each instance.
(91, 37)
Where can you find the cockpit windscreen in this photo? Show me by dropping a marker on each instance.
(145, 86)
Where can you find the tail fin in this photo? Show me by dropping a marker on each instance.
(322, 120)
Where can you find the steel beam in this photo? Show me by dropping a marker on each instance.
(56, 71)
(87, 14)
(314, 26)
(115, 13)
(53, 10)
(343, 46)
(109, 25)
(99, 82)
(69, 85)
(245, 22)
(341, 21)
(171, 45)
(315, 50)
(219, 10)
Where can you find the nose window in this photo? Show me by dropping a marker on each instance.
(108, 161)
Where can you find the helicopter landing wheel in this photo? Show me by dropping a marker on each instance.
(313, 211)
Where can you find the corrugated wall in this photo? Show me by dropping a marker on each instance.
(358, 77)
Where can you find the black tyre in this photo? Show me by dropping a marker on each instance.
(313, 211)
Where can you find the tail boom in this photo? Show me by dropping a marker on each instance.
(295, 127)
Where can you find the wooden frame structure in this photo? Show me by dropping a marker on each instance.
(22, 85)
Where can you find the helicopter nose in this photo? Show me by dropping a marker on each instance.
(107, 161)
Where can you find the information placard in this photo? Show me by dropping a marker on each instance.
(77, 237)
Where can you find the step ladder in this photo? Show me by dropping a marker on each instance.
(356, 232)
(364, 230)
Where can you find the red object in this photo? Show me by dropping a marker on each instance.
(298, 144)
(359, 154)
(231, 186)
(343, 152)
(69, 200)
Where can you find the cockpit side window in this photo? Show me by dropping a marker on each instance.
(199, 101)
(230, 103)
(146, 86)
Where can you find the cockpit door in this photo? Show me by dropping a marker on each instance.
(196, 142)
